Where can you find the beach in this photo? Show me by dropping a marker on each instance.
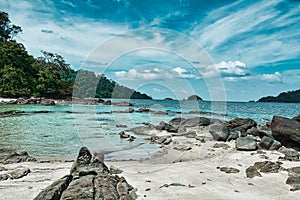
(193, 172)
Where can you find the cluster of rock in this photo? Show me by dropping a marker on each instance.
(89, 178)
(32, 100)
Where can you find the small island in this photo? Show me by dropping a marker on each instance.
(194, 98)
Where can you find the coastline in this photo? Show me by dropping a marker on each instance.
(189, 168)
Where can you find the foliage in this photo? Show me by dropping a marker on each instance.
(7, 30)
(49, 76)
(285, 97)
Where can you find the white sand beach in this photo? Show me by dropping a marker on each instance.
(192, 174)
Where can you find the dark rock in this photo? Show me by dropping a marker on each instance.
(293, 180)
(131, 139)
(289, 153)
(267, 167)
(294, 171)
(252, 131)
(245, 144)
(4, 177)
(269, 143)
(123, 135)
(229, 170)
(161, 139)
(183, 147)
(264, 131)
(174, 125)
(143, 110)
(195, 122)
(219, 132)
(252, 172)
(47, 102)
(160, 112)
(100, 100)
(200, 138)
(287, 131)
(233, 135)
(18, 157)
(297, 118)
(128, 110)
(55, 190)
(242, 123)
(121, 126)
(161, 126)
(115, 170)
(121, 103)
(89, 180)
(19, 173)
(11, 112)
(108, 102)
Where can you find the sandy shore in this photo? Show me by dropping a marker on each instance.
(192, 174)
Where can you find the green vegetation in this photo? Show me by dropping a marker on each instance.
(48, 76)
(285, 97)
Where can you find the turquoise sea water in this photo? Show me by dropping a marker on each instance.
(60, 133)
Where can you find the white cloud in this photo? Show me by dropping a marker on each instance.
(227, 69)
(276, 77)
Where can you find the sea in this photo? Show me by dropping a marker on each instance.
(64, 129)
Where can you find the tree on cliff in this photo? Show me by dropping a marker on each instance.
(7, 30)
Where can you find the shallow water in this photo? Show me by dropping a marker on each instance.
(61, 134)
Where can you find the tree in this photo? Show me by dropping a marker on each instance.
(7, 30)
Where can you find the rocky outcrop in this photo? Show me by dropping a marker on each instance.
(89, 179)
(252, 172)
(194, 98)
(287, 131)
(18, 157)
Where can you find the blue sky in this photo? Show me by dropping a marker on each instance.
(221, 50)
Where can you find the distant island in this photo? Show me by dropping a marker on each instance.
(194, 98)
(284, 97)
(22, 75)
(168, 99)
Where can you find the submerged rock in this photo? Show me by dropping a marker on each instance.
(89, 178)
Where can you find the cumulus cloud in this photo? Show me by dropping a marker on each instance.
(276, 77)
(226, 69)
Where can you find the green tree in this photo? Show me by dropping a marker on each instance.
(7, 30)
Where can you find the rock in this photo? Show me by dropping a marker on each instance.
(221, 145)
(293, 180)
(161, 126)
(160, 112)
(18, 157)
(287, 131)
(252, 172)
(128, 110)
(123, 135)
(183, 147)
(267, 167)
(11, 112)
(252, 131)
(161, 139)
(289, 153)
(141, 130)
(22, 101)
(269, 143)
(233, 135)
(245, 144)
(4, 177)
(297, 118)
(264, 131)
(115, 170)
(174, 125)
(124, 103)
(219, 132)
(55, 190)
(19, 173)
(229, 170)
(121, 126)
(89, 180)
(242, 123)
(200, 138)
(143, 110)
(195, 122)
(294, 171)
(108, 102)
(100, 100)
(47, 102)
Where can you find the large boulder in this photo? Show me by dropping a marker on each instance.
(245, 144)
(18, 157)
(196, 121)
(269, 143)
(241, 123)
(89, 179)
(287, 131)
(219, 132)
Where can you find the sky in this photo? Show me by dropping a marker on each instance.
(234, 50)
